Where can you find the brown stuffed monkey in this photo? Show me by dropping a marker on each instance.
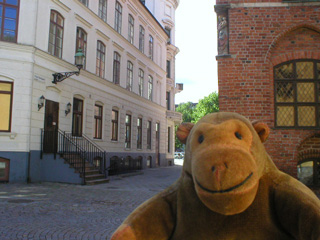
(229, 189)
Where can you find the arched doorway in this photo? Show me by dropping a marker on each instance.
(309, 171)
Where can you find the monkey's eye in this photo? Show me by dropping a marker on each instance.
(238, 135)
(201, 139)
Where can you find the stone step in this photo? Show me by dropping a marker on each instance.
(99, 181)
(95, 177)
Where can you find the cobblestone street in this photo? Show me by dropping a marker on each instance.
(62, 211)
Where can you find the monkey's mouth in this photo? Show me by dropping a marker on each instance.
(225, 190)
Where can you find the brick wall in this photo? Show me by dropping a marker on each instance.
(261, 36)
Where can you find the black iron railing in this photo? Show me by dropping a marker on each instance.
(80, 152)
(124, 165)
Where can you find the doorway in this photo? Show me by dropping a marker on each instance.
(157, 144)
(51, 126)
(4, 169)
(309, 172)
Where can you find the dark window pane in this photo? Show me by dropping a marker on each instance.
(285, 116)
(284, 71)
(10, 12)
(305, 92)
(10, 24)
(284, 92)
(305, 70)
(306, 116)
(12, 2)
(318, 70)
(9, 36)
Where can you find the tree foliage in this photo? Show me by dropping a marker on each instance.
(192, 112)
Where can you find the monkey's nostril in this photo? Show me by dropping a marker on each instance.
(213, 168)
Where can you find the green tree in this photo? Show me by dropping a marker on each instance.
(187, 110)
(209, 104)
(192, 112)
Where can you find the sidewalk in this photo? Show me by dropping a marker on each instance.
(61, 211)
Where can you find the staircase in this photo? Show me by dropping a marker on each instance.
(87, 158)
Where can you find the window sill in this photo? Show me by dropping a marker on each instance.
(98, 139)
(11, 135)
(114, 141)
(127, 149)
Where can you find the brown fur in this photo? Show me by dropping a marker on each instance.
(229, 189)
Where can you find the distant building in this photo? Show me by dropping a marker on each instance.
(115, 113)
(269, 70)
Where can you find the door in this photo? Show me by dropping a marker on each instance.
(50, 139)
(4, 169)
(157, 144)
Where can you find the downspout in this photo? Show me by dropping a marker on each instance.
(31, 92)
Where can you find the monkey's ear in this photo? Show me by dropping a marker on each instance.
(262, 129)
(183, 131)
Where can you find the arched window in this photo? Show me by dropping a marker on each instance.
(118, 17)
(114, 122)
(81, 42)
(129, 75)
(150, 47)
(103, 10)
(98, 115)
(130, 29)
(9, 15)
(297, 99)
(141, 82)
(141, 39)
(116, 68)
(150, 87)
(100, 62)
(128, 131)
(6, 93)
(56, 34)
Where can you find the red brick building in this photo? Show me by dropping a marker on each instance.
(269, 70)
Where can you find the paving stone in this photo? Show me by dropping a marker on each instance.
(73, 212)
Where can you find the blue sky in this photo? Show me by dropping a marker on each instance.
(196, 37)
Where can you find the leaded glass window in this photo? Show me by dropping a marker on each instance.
(297, 86)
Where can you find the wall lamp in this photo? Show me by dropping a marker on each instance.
(68, 109)
(41, 102)
(79, 60)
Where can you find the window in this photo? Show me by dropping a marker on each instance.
(114, 120)
(128, 131)
(77, 117)
(56, 34)
(168, 69)
(150, 47)
(141, 82)
(84, 2)
(118, 18)
(103, 10)
(168, 101)
(150, 87)
(98, 121)
(6, 92)
(141, 39)
(81, 42)
(149, 124)
(116, 68)
(100, 62)
(139, 135)
(131, 29)
(169, 139)
(297, 100)
(168, 31)
(129, 76)
(143, 2)
(9, 14)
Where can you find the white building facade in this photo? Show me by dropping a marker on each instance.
(119, 101)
